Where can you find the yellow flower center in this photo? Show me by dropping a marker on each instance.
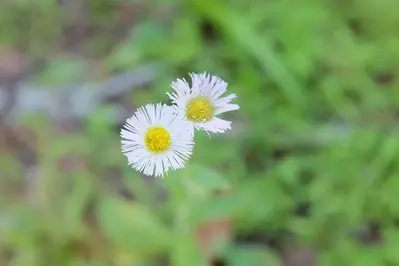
(199, 109)
(157, 139)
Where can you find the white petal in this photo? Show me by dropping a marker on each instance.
(133, 133)
(181, 91)
(204, 84)
(216, 125)
(227, 108)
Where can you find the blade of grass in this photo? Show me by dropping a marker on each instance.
(238, 29)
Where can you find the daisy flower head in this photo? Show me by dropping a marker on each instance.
(201, 103)
(156, 139)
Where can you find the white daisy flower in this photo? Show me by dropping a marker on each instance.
(201, 103)
(156, 139)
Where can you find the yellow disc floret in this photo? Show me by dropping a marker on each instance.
(199, 109)
(157, 139)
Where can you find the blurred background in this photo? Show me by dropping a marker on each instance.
(307, 176)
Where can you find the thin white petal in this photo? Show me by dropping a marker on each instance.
(204, 84)
(227, 108)
(133, 133)
(216, 125)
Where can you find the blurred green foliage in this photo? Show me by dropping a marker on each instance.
(312, 158)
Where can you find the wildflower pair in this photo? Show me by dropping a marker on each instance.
(159, 137)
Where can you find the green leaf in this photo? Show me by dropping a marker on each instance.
(130, 225)
(99, 122)
(184, 43)
(76, 203)
(145, 38)
(214, 208)
(201, 180)
(251, 256)
(185, 252)
(148, 34)
(27, 256)
(124, 56)
(391, 236)
(368, 257)
(18, 226)
(263, 201)
(194, 183)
